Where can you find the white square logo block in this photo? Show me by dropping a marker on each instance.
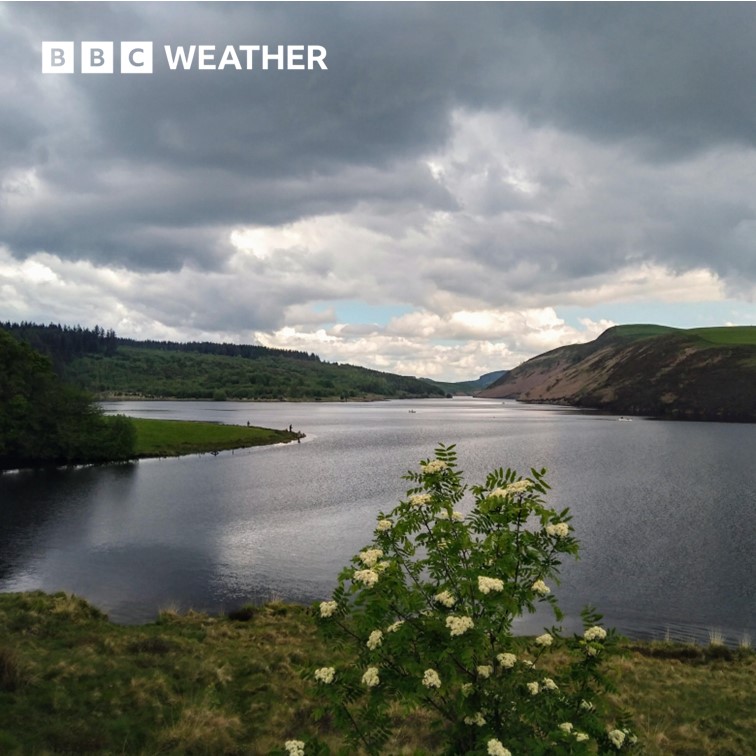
(97, 57)
(57, 57)
(136, 57)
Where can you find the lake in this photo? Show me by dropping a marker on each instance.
(664, 511)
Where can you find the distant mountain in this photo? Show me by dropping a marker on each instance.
(112, 367)
(469, 387)
(697, 374)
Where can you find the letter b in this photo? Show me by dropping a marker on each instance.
(97, 57)
(57, 57)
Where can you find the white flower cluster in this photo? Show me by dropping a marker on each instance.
(420, 499)
(446, 599)
(567, 727)
(495, 748)
(370, 678)
(595, 633)
(541, 588)
(549, 684)
(431, 679)
(506, 660)
(617, 738)
(544, 640)
(370, 556)
(454, 517)
(518, 487)
(393, 628)
(434, 466)
(328, 608)
(384, 524)
(459, 625)
(295, 747)
(534, 688)
(477, 719)
(467, 689)
(325, 675)
(559, 529)
(586, 705)
(375, 640)
(484, 670)
(368, 577)
(488, 584)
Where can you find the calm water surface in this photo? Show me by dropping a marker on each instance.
(664, 511)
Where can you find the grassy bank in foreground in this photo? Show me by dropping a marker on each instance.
(172, 438)
(70, 681)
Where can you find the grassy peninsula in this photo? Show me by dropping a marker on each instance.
(71, 681)
(172, 438)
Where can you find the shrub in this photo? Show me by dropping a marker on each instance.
(429, 606)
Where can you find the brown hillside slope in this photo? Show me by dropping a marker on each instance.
(701, 374)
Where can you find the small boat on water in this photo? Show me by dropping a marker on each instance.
(625, 419)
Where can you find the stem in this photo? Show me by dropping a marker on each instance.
(357, 729)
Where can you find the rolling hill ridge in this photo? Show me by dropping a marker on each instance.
(107, 366)
(694, 374)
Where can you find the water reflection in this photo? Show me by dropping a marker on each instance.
(663, 510)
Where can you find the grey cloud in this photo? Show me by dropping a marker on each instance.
(151, 173)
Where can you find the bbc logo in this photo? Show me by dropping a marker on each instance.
(96, 58)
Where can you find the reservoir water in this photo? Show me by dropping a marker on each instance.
(665, 512)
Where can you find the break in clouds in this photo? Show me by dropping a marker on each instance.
(432, 203)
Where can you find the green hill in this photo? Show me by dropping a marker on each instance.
(698, 374)
(469, 387)
(109, 367)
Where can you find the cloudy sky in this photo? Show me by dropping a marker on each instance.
(465, 186)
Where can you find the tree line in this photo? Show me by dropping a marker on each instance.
(46, 422)
(64, 344)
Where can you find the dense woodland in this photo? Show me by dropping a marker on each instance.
(98, 361)
(44, 421)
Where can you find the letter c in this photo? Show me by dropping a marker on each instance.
(131, 56)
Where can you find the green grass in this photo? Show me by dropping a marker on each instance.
(72, 682)
(171, 438)
(719, 335)
(642, 330)
(726, 336)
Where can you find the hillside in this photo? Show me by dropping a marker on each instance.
(100, 362)
(469, 387)
(697, 374)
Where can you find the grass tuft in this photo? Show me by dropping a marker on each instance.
(716, 637)
(11, 672)
(203, 730)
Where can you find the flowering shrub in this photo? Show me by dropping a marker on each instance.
(429, 607)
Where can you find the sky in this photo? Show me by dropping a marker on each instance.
(462, 187)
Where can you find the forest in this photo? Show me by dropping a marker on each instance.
(98, 361)
(43, 421)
